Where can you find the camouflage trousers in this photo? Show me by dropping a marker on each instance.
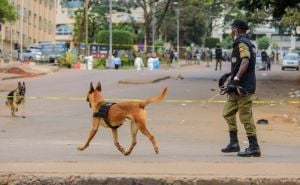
(243, 105)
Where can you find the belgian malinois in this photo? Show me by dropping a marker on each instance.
(115, 114)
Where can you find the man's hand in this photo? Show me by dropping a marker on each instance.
(233, 85)
(223, 79)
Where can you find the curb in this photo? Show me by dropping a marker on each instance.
(169, 180)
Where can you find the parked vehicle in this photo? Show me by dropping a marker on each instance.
(31, 55)
(291, 60)
(50, 50)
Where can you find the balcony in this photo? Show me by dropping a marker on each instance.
(72, 4)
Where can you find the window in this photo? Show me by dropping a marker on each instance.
(45, 25)
(7, 33)
(40, 22)
(63, 29)
(19, 11)
(49, 27)
(29, 17)
(34, 20)
(24, 15)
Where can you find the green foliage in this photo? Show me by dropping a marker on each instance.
(121, 39)
(99, 63)
(211, 42)
(127, 61)
(227, 42)
(291, 19)
(7, 12)
(67, 60)
(97, 20)
(263, 42)
(275, 8)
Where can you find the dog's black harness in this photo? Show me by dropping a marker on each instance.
(103, 113)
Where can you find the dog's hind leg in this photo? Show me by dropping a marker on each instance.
(116, 141)
(23, 110)
(13, 110)
(145, 131)
(134, 130)
(92, 133)
(141, 124)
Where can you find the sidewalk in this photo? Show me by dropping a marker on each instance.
(15, 69)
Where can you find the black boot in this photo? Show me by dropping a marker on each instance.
(233, 146)
(252, 150)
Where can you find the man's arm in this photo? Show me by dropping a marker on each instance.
(245, 55)
(243, 68)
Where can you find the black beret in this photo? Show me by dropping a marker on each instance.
(240, 24)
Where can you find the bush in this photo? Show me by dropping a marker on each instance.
(126, 61)
(99, 63)
(66, 60)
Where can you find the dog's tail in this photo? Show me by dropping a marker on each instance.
(155, 99)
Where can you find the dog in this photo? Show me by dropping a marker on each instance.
(16, 98)
(117, 114)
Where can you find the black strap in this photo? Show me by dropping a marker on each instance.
(103, 113)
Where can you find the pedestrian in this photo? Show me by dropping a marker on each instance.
(176, 56)
(138, 63)
(172, 55)
(264, 58)
(268, 64)
(240, 91)
(218, 52)
(117, 61)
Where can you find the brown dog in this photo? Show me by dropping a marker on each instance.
(116, 115)
(16, 98)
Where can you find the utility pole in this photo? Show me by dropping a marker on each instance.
(153, 25)
(110, 34)
(21, 27)
(177, 20)
(86, 27)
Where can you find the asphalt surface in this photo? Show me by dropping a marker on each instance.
(189, 135)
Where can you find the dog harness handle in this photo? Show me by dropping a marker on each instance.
(103, 113)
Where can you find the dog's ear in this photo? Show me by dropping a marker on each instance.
(98, 88)
(91, 88)
(19, 85)
(23, 84)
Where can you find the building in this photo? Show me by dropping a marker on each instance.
(65, 19)
(35, 23)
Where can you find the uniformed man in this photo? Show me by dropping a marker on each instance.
(240, 91)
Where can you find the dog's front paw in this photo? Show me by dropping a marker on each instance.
(127, 153)
(81, 148)
(156, 150)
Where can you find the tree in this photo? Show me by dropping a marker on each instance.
(270, 7)
(96, 21)
(291, 19)
(7, 12)
(227, 42)
(263, 42)
(121, 39)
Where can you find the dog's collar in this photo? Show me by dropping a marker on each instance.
(103, 113)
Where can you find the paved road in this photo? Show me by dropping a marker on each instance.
(188, 133)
